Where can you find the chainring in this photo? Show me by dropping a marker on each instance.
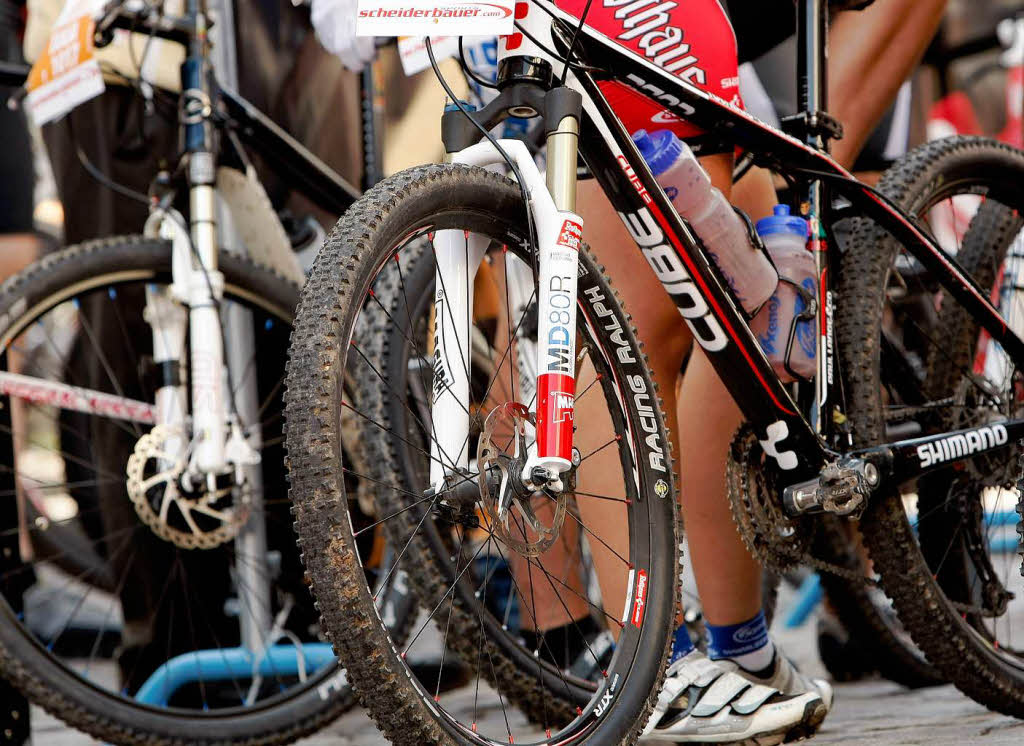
(162, 485)
(779, 542)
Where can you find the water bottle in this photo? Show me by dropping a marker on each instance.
(724, 234)
(785, 238)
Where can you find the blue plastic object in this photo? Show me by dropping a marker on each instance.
(1001, 518)
(660, 149)
(452, 106)
(783, 222)
(808, 597)
(1004, 544)
(229, 663)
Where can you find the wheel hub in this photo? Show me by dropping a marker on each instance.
(527, 520)
(187, 518)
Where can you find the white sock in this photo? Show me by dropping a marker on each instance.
(758, 660)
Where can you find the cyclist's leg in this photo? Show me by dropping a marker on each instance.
(870, 56)
(666, 341)
(657, 320)
(728, 578)
(871, 53)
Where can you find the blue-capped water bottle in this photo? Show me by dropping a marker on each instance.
(724, 234)
(785, 238)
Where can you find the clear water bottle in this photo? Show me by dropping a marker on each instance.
(724, 234)
(785, 237)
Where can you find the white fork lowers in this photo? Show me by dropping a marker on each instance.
(459, 255)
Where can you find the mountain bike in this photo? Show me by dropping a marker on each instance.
(392, 368)
(141, 414)
(897, 427)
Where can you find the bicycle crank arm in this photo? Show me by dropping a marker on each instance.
(844, 486)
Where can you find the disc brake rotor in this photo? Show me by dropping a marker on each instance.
(190, 520)
(528, 521)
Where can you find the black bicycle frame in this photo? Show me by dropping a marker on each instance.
(689, 276)
(302, 171)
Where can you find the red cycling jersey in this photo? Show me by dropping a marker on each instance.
(693, 39)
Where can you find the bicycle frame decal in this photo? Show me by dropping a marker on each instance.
(907, 459)
(556, 362)
(668, 268)
(686, 273)
(953, 447)
(75, 398)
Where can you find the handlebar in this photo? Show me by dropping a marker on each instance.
(146, 20)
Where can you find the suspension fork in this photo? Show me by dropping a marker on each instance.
(458, 254)
(165, 313)
(205, 284)
(558, 263)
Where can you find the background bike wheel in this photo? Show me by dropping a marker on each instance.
(122, 633)
(940, 545)
(440, 547)
(876, 636)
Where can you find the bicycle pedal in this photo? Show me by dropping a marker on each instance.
(842, 488)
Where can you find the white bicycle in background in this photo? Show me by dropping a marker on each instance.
(151, 586)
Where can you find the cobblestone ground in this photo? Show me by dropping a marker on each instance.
(874, 712)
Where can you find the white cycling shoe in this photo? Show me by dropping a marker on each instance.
(706, 701)
(788, 680)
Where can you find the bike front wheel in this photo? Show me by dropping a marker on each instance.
(452, 542)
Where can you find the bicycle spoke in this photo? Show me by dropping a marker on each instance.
(116, 583)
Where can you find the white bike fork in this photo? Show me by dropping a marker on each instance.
(191, 305)
(459, 254)
(559, 232)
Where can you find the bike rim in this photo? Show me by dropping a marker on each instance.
(421, 534)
